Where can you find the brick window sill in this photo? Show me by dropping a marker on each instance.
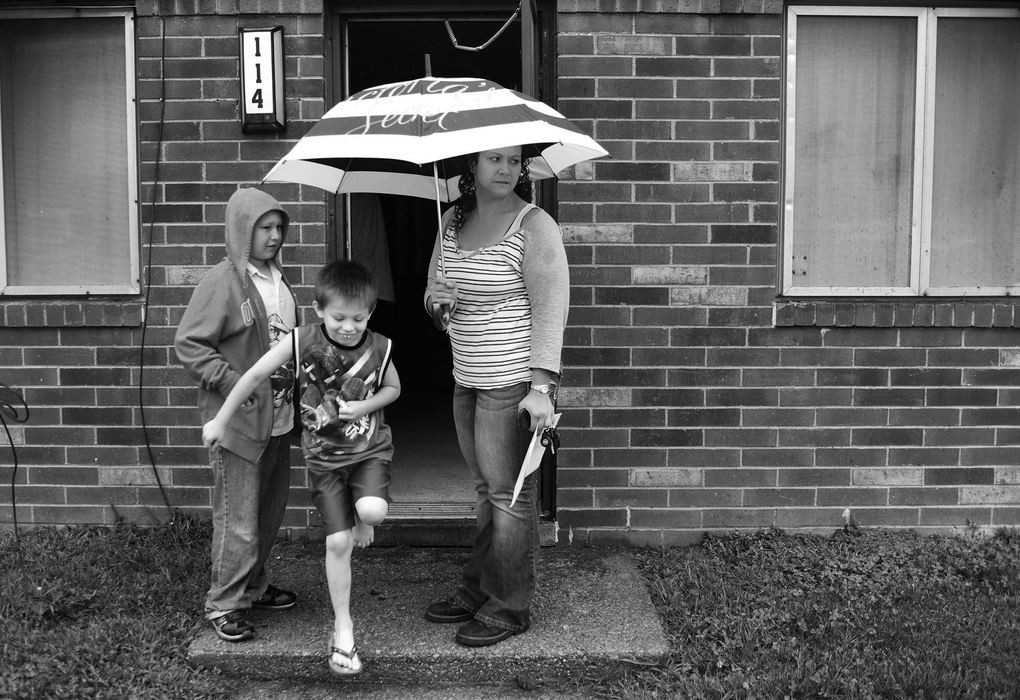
(922, 313)
(61, 314)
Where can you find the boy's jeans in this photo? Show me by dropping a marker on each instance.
(249, 499)
(499, 579)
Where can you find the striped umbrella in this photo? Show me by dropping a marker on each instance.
(410, 138)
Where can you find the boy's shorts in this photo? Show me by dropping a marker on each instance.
(335, 491)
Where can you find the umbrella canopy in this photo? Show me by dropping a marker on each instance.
(411, 137)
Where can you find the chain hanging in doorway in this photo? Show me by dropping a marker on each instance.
(482, 47)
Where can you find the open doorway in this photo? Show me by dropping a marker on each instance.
(395, 235)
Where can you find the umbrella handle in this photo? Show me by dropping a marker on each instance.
(441, 319)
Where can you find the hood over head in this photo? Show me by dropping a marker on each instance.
(244, 208)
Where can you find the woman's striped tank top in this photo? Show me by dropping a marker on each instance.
(490, 327)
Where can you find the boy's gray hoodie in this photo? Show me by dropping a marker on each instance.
(224, 330)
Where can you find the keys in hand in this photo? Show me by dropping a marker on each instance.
(551, 439)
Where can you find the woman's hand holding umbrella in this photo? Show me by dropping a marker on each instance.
(443, 294)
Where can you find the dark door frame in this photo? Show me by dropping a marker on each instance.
(540, 45)
(543, 49)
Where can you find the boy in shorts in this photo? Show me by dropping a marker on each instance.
(345, 379)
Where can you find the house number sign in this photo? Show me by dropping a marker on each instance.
(262, 98)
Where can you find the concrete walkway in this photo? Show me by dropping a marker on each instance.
(592, 609)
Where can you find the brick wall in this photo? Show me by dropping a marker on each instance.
(83, 455)
(695, 401)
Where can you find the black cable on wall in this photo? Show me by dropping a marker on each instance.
(13, 407)
(148, 263)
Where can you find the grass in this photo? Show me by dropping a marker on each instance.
(871, 614)
(103, 612)
(109, 612)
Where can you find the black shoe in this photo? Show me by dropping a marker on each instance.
(233, 627)
(444, 611)
(479, 634)
(274, 599)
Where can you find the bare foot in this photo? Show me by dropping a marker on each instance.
(363, 535)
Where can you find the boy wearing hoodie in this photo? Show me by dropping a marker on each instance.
(240, 309)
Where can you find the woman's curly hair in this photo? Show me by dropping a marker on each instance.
(465, 204)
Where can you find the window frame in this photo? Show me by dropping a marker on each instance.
(132, 285)
(924, 147)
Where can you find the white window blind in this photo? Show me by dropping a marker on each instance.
(901, 152)
(68, 168)
(974, 203)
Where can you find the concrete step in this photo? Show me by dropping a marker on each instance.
(288, 689)
(422, 532)
(592, 609)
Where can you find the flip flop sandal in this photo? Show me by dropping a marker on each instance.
(351, 656)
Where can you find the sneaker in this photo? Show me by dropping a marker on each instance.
(275, 599)
(445, 611)
(479, 634)
(233, 627)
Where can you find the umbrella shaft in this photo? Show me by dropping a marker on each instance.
(439, 219)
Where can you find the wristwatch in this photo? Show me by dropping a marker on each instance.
(547, 389)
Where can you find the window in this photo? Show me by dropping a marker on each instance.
(68, 201)
(902, 152)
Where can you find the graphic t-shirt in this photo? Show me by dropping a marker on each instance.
(279, 304)
(330, 373)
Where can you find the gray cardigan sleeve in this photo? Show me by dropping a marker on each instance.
(547, 279)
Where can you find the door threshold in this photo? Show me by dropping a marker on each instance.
(436, 529)
(452, 510)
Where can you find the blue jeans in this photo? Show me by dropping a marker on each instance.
(499, 579)
(248, 504)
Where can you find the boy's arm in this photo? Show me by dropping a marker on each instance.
(212, 432)
(198, 335)
(388, 392)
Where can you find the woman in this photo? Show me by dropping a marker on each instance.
(506, 295)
